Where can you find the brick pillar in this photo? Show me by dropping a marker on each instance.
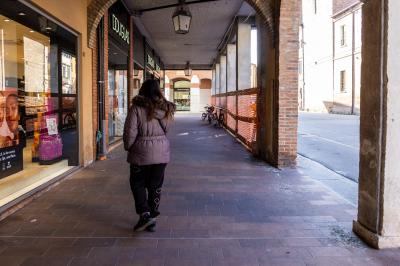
(277, 78)
(105, 103)
(288, 49)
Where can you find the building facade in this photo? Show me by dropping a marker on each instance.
(330, 56)
(347, 57)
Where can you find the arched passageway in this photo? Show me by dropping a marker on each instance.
(278, 103)
(277, 77)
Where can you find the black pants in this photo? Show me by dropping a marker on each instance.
(146, 182)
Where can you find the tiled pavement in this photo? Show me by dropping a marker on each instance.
(220, 207)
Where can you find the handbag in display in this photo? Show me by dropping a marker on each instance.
(50, 148)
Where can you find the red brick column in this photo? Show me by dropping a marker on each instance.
(105, 103)
(287, 80)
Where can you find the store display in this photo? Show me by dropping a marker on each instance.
(50, 148)
(38, 87)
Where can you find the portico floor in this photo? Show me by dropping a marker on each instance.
(220, 207)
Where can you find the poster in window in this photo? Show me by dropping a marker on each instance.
(9, 118)
(10, 150)
(51, 126)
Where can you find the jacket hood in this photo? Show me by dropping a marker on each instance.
(161, 106)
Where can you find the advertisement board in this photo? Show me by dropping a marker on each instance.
(10, 151)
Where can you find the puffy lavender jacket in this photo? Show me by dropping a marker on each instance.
(144, 139)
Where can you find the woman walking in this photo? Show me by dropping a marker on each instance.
(145, 139)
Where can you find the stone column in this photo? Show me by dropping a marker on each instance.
(244, 56)
(222, 79)
(217, 79)
(231, 67)
(213, 82)
(167, 89)
(195, 94)
(378, 220)
(217, 83)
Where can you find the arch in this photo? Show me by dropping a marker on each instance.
(205, 84)
(97, 8)
(179, 79)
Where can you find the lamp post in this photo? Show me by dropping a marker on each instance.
(188, 70)
(182, 18)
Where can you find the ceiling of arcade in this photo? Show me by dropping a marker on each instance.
(210, 21)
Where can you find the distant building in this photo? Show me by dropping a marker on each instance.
(190, 93)
(330, 56)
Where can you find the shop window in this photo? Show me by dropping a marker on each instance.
(34, 75)
(117, 103)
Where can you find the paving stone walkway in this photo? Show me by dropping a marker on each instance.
(220, 207)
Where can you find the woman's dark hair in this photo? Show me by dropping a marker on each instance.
(150, 89)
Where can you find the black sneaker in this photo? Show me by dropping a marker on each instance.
(151, 228)
(144, 221)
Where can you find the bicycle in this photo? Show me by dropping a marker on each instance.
(208, 114)
(219, 118)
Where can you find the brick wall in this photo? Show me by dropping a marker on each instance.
(287, 81)
(95, 83)
(340, 5)
(96, 10)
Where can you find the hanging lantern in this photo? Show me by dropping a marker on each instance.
(182, 18)
(188, 70)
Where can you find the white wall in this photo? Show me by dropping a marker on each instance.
(205, 98)
(318, 39)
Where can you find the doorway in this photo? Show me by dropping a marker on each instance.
(182, 95)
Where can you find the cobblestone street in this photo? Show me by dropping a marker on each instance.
(220, 206)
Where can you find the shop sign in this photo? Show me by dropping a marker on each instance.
(10, 161)
(150, 61)
(120, 29)
(182, 89)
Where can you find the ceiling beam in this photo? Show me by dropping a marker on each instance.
(173, 5)
(193, 67)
